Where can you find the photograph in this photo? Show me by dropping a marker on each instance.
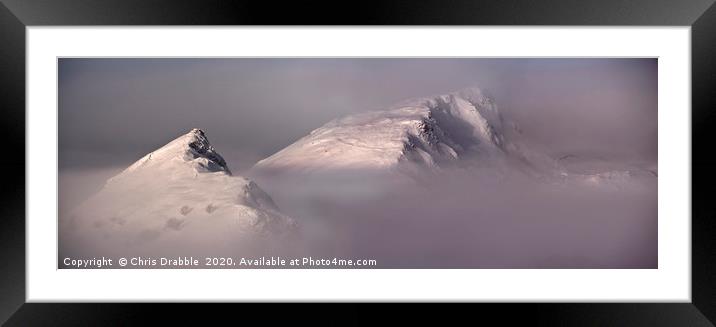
(535, 163)
(357, 162)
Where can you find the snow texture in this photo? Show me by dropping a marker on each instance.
(421, 136)
(426, 132)
(182, 192)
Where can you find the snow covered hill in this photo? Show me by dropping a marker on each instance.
(426, 132)
(418, 137)
(183, 193)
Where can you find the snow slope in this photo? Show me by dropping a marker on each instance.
(426, 132)
(182, 192)
(420, 136)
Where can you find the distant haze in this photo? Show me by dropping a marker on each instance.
(113, 111)
(594, 207)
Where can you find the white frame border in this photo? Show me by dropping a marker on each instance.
(671, 282)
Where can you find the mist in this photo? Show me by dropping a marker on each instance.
(474, 218)
(459, 218)
(602, 111)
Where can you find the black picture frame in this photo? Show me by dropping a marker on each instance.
(700, 15)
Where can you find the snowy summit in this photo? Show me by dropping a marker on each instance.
(191, 150)
(183, 190)
(424, 135)
(426, 132)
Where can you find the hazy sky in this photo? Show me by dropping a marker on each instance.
(113, 111)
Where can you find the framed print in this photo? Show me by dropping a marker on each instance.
(402, 153)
